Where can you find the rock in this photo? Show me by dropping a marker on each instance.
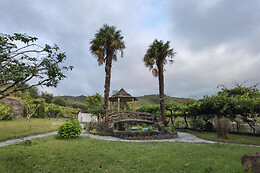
(251, 162)
(15, 105)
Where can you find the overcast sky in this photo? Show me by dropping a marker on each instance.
(217, 41)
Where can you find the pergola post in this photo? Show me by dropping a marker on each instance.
(118, 104)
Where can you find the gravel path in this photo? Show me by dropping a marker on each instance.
(14, 141)
(182, 137)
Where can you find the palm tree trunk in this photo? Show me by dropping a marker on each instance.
(161, 91)
(107, 85)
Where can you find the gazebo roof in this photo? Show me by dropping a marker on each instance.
(123, 95)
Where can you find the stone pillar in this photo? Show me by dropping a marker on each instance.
(118, 104)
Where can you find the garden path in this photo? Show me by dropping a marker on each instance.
(14, 141)
(182, 137)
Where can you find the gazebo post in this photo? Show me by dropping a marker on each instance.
(133, 105)
(118, 105)
(109, 107)
(125, 107)
(112, 107)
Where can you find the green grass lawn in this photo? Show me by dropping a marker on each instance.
(231, 137)
(90, 155)
(20, 128)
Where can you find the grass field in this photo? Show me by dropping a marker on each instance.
(231, 137)
(20, 128)
(90, 155)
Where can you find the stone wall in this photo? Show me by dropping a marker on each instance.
(17, 107)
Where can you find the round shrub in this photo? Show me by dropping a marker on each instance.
(71, 129)
(6, 112)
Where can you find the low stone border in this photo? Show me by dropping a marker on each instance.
(182, 137)
(143, 135)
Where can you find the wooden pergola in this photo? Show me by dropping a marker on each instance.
(122, 96)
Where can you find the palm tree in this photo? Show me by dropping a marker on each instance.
(157, 55)
(108, 40)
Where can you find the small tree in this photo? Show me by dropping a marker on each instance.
(30, 104)
(94, 104)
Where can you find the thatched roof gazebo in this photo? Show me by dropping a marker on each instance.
(122, 96)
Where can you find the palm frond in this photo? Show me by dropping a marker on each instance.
(157, 53)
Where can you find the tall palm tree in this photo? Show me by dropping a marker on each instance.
(108, 40)
(157, 55)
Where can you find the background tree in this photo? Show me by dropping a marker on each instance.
(94, 104)
(22, 60)
(172, 106)
(59, 101)
(47, 97)
(157, 55)
(108, 40)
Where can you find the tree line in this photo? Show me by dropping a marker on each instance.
(236, 104)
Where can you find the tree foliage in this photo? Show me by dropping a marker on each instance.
(236, 103)
(47, 97)
(5, 112)
(23, 60)
(59, 101)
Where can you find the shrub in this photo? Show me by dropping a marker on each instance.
(6, 112)
(179, 124)
(170, 128)
(71, 129)
(222, 127)
(208, 126)
(196, 123)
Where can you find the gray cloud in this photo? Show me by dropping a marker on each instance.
(205, 24)
(216, 41)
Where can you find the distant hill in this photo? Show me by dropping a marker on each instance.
(154, 99)
(142, 100)
(75, 99)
